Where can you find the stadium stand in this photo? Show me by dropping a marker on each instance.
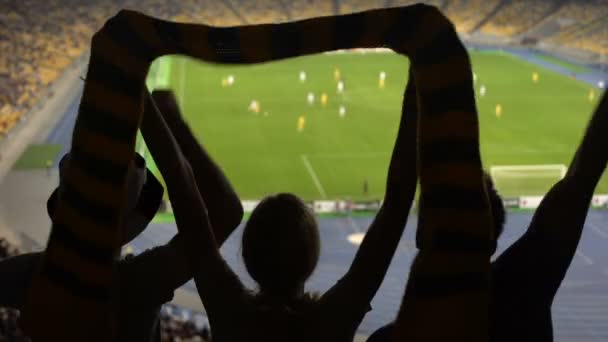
(516, 17)
(468, 14)
(176, 325)
(438, 3)
(576, 15)
(302, 9)
(257, 12)
(215, 13)
(39, 40)
(585, 26)
(351, 6)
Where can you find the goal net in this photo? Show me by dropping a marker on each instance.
(518, 180)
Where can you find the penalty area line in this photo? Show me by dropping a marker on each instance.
(313, 175)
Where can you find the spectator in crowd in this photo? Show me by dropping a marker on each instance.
(447, 294)
(175, 327)
(9, 329)
(147, 280)
(280, 249)
(526, 277)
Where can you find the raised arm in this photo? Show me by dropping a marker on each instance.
(167, 266)
(223, 204)
(366, 273)
(544, 253)
(447, 294)
(216, 283)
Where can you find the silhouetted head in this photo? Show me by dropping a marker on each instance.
(144, 196)
(281, 245)
(497, 206)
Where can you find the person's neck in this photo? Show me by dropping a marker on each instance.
(283, 297)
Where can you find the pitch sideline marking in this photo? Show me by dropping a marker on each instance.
(357, 237)
(313, 175)
(598, 230)
(585, 258)
(354, 225)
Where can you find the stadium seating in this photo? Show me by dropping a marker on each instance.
(302, 9)
(519, 16)
(257, 12)
(585, 26)
(467, 14)
(177, 325)
(38, 40)
(352, 6)
(595, 40)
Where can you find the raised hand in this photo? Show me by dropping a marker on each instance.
(225, 209)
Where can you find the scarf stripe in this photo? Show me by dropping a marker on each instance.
(72, 281)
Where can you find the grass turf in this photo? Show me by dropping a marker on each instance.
(541, 123)
(37, 156)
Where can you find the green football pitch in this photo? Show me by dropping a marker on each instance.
(332, 156)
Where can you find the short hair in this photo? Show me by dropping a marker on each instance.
(281, 244)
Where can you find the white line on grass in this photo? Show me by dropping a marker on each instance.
(587, 259)
(597, 229)
(313, 175)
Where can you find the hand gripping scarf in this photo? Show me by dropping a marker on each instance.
(72, 294)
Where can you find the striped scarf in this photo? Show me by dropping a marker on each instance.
(71, 297)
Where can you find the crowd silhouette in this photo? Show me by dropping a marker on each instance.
(79, 289)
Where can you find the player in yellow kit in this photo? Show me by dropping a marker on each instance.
(498, 110)
(301, 123)
(337, 76)
(535, 77)
(324, 99)
(382, 80)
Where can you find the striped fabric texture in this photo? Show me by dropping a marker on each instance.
(72, 297)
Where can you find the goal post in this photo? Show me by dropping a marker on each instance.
(518, 180)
